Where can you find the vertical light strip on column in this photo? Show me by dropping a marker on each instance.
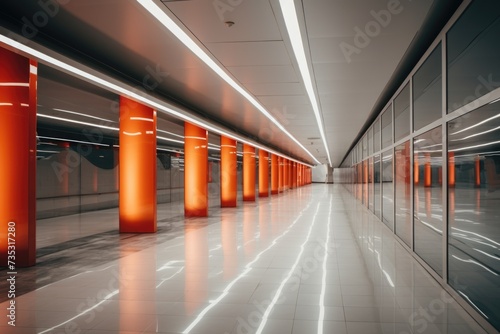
(137, 200)
(18, 78)
(195, 171)
(248, 173)
(228, 176)
(263, 173)
(274, 174)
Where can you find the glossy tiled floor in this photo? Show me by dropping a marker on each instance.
(312, 260)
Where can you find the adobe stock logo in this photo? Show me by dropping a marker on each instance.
(372, 29)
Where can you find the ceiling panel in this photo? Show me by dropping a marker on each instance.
(260, 53)
(263, 74)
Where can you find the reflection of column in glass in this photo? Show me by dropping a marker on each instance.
(478, 200)
(229, 247)
(451, 205)
(416, 170)
(440, 176)
(95, 178)
(451, 169)
(477, 172)
(428, 202)
(196, 266)
(427, 171)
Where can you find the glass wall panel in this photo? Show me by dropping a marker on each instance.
(387, 127)
(365, 183)
(474, 209)
(403, 192)
(376, 185)
(387, 189)
(427, 87)
(365, 146)
(370, 184)
(473, 53)
(370, 141)
(376, 136)
(402, 114)
(428, 198)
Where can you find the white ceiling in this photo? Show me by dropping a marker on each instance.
(257, 52)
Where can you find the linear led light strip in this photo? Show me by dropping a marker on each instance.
(123, 91)
(164, 19)
(293, 28)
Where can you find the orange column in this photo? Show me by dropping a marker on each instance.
(228, 176)
(294, 175)
(285, 174)
(451, 169)
(290, 174)
(263, 173)
(137, 199)
(280, 159)
(195, 171)
(274, 174)
(18, 94)
(248, 173)
(477, 172)
(416, 171)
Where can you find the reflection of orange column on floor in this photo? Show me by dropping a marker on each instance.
(249, 225)
(18, 158)
(196, 266)
(451, 169)
(137, 167)
(228, 176)
(248, 173)
(263, 173)
(427, 171)
(416, 171)
(136, 281)
(195, 171)
(477, 172)
(229, 247)
(274, 174)
(280, 174)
